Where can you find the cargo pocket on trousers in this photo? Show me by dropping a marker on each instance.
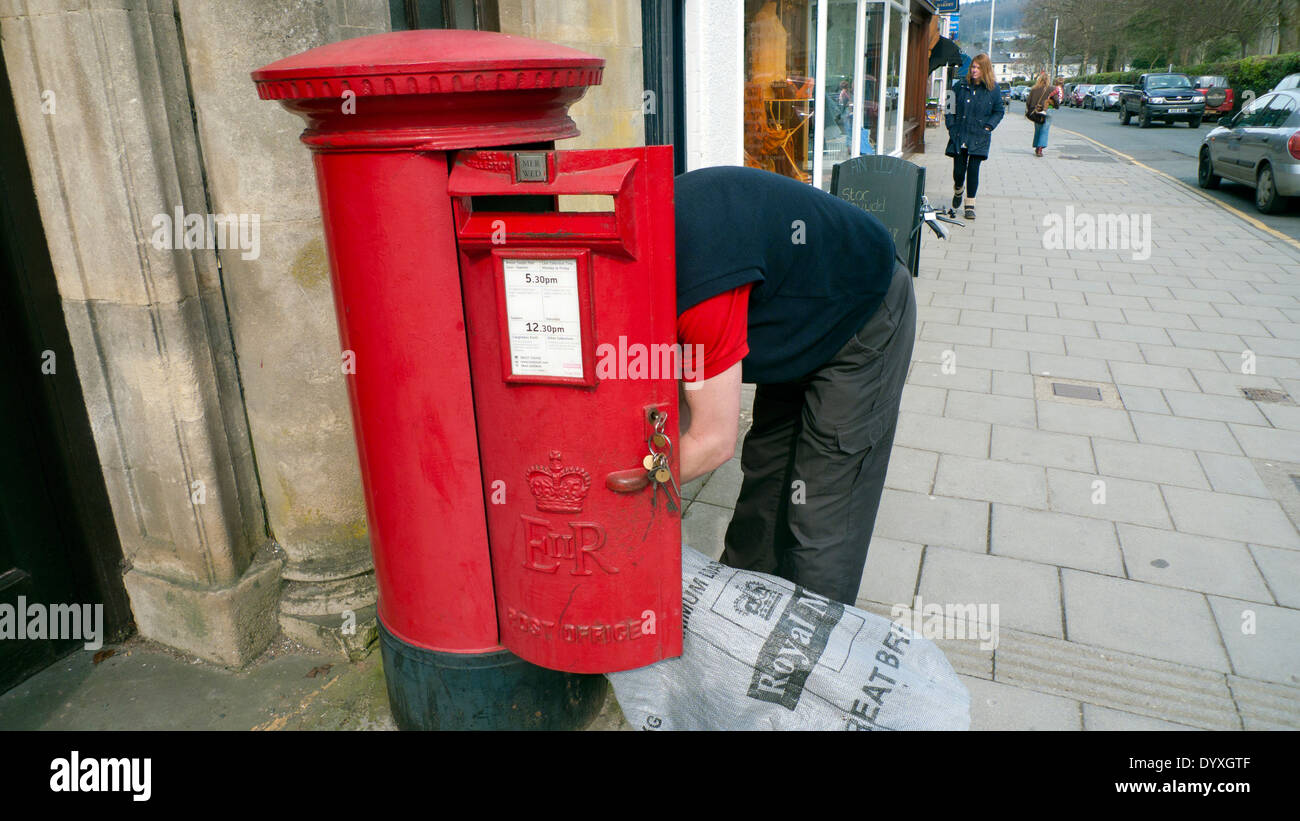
(861, 433)
(858, 442)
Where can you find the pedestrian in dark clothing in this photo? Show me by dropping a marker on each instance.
(974, 109)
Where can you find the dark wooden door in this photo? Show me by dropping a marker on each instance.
(58, 544)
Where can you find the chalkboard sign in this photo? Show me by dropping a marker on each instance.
(891, 190)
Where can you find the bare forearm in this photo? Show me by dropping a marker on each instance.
(700, 454)
(710, 419)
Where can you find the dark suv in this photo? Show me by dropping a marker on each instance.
(1167, 97)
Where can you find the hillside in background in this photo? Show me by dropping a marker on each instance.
(975, 20)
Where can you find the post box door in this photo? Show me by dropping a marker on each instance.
(571, 321)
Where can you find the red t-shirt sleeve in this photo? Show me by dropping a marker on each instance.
(720, 326)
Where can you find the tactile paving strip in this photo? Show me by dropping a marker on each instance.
(1109, 678)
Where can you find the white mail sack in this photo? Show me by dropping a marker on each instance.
(760, 653)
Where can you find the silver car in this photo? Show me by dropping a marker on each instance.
(1258, 146)
(1289, 81)
(1104, 98)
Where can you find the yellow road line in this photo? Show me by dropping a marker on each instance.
(1235, 211)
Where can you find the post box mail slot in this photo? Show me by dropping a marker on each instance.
(571, 319)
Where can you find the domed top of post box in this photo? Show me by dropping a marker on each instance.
(407, 89)
(427, 61)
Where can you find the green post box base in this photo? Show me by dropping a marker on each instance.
(429, 690)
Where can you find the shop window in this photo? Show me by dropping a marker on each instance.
(841, 35)
(872, 91)
(796, 128)
(780, 85)
(893, 103)
(444, 14)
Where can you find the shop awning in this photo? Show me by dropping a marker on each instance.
(944, 53)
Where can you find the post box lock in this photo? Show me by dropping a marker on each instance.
(656, 468)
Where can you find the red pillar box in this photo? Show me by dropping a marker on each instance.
(512, 470)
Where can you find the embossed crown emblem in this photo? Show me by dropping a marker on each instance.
(559, 488)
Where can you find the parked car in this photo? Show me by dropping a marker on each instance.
(1077, 95)
(1005, 88)
(1106, 97)
(1167, 97)
(1019, 92)
(1259, 146)
(1090, 96)
(1289, 81)
(1218, 94)
(1066, 91)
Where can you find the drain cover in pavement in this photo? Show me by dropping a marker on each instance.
(1076, 391)
(1051, 388)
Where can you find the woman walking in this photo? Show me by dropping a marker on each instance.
(975, 111)
(1036, 109)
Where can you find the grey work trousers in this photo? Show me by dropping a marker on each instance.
(814, 461)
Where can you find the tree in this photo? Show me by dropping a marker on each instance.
(1088, 28)
(1154, 33)
(1288, 27)
(1246, 19)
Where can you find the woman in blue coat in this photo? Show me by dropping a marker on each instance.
(975, 109)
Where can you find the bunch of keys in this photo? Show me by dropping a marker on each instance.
(658, 464)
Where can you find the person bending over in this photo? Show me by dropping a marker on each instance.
(800, 293)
